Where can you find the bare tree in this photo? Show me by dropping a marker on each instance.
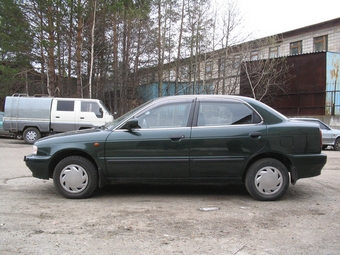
(79, 46)
(228, 33)
(263, 75)
(179, 46)
(92, 46)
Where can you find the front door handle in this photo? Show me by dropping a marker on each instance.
(177, 138)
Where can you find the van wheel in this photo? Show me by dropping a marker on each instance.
(75, 177)
(31, 135)
(267, 179)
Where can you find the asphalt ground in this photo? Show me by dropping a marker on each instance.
(173, 219)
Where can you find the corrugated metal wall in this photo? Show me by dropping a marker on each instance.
(314, 88)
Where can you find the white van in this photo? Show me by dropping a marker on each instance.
(34, 117)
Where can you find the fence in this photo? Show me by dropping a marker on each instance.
(308, 103)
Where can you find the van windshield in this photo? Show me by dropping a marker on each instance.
(104, 107)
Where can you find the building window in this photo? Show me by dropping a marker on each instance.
(254, 55)
(172, 75)
(236, 61)
(193, 69)
(320, 43)
(208, 68)
(296, 48)
(221, 65)
(273, 52)
(185, 72)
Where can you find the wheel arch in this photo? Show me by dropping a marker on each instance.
(67, 153)
(283, 159)
(336, 144)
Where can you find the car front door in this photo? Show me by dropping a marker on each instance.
(227, 133)
(159, 148)
(327, 137)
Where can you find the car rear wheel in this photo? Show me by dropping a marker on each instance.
(31, 135)
(337, 144)
(267, 179)
(75, 177)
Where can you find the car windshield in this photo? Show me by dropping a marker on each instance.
(116, 122)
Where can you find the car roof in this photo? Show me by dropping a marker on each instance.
(267, 112)
(304, 118)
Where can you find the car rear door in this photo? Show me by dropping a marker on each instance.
(158, 149)
(227, 133)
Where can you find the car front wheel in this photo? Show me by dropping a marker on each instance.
(267, 179)
(75, 177)
(337, 144)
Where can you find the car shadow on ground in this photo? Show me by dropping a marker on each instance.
(238, 191)
(171, 190)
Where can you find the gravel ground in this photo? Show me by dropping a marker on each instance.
(146, 219)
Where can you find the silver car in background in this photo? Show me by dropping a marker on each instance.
(330, 136)
(2, 131)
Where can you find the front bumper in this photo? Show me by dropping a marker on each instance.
(38, 166)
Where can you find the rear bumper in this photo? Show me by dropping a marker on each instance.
(305, 166)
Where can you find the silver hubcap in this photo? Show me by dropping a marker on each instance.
(268, 180)
(31, 136)
(74, 179)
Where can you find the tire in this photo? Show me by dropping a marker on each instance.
(75, 177)
(267, 179)
(337, 144)
(31, 135)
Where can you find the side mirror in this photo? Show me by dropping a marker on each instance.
(132, 124)
(101, 113)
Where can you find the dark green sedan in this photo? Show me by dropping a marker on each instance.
(205, 139)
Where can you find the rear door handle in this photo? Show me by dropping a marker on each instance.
(255, 135)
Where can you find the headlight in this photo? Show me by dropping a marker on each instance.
(35, 149)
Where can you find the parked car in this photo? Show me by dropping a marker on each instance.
(6, 133)
(330, 136)
(2, 131)
(184, 139)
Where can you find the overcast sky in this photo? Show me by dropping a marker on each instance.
(269, 17)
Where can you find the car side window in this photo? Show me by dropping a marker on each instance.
(322, 126)
(165, 116)
(226, 113)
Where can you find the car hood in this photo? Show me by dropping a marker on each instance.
(336, 131)
(76, 136)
